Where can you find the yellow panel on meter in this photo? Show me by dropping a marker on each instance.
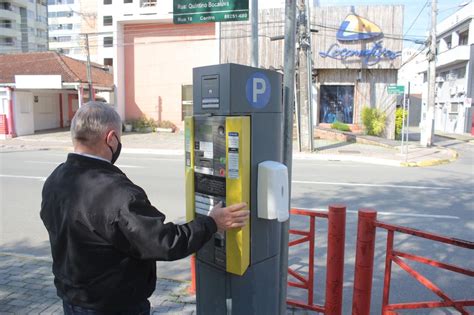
(237, 190)
(189, 166)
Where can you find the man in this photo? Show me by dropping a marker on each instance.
(105, 235)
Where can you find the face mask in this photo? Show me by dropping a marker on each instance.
(115, 154)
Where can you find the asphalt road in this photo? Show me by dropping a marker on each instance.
(439, 199)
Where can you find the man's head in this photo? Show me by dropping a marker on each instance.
(96, 129)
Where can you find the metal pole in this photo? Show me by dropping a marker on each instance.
(254, 21)
(335, 258)
(288, 101)
(309, 56)
(403, 123)
(427, 140)
(89, 75)
(364, 262)
(408, 121)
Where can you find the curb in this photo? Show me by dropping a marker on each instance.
(454, 157)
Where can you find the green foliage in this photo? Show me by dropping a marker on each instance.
(400, 112)
(373, 120)
(340, 126)
(142, 124)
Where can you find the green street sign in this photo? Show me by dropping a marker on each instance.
(200, 11)
(395, 89)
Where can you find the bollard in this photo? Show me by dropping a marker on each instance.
(192, 287)
(335, 259)
(364, 262)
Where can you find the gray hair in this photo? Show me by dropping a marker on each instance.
(92, 120)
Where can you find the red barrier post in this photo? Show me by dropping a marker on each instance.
(192, 287)
(364, 262)
(335, 258)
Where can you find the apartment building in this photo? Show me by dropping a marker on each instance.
(454, 72)
(23, 26)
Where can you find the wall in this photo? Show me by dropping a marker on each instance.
(159, 58)
(23, 113)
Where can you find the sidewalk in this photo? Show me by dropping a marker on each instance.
(367, 149)
(26, 287)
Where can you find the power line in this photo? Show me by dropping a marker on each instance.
(414, 21)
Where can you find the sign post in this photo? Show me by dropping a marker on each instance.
(205, 11)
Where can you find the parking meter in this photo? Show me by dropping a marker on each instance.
(234, 153)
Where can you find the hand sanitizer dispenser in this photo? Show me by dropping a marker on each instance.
(272, 191)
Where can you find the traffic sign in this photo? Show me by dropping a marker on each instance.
(395, 89)
(205, 11)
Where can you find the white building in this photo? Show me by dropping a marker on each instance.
(454, 72)
(23, 26)
(64, 24)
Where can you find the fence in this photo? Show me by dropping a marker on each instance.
(364, 265)
(336, 217)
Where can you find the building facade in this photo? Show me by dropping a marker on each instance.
(23, 26)
(43, 90)
(356, 54)
(454, 72)
(154, 58)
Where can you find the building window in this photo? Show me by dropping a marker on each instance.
(337, 103)
(108, 62)
(448, 40)
(147, 3)
(108, 41)
(5, 23)
(107, 1)
(186, 101)
(127, 1)
(107, 20)
(463, 38)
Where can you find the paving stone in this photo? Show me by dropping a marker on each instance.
(19, 302)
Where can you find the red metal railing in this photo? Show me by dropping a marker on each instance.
(364, 266)
(335, 259)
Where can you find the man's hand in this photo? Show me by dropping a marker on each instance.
(230, 217)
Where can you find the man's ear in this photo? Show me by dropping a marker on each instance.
(110, 138)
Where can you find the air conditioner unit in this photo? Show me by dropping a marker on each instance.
(439, 79)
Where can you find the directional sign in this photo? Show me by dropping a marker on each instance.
(395, 89)
(258, 90)
(205, 11)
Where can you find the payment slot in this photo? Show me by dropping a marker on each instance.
(235, 133)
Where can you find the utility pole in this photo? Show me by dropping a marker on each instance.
(89, 74)
(304, 78)
(288, 104)
(427, 132)
(254, 21)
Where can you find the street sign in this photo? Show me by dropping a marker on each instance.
(205, 11)
(395, 89)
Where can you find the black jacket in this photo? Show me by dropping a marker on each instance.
(106, 236)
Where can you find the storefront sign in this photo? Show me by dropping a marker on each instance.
(355, 28)
(204, 11)
(369, 56)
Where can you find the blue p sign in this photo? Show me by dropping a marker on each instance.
(258, 90)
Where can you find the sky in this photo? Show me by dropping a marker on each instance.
(421, 24)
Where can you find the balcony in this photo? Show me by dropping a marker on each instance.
(8, 29)
(8, 14)
(453, 56)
